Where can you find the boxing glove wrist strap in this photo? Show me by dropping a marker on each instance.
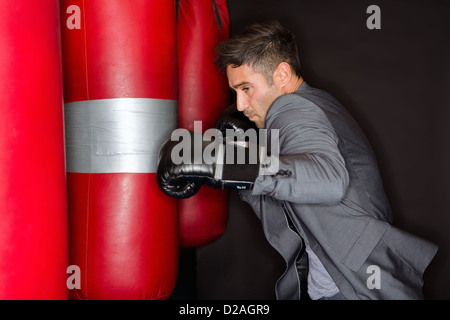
(235, 172)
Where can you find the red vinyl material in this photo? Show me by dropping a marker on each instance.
(33, 202)
(123, 229)
(203, 94)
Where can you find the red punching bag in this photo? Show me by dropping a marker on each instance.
(120, 105)
(33, 201)
(202, 95)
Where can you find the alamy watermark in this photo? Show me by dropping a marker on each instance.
(74, 280)
(374, 20)
(236, 147)
(374, 280)
(73, 21)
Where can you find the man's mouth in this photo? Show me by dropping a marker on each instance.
(250, 116)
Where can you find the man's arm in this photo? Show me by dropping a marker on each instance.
(311, 167)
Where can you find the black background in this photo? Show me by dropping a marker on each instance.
(395, 81)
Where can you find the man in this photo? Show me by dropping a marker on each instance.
(325, 210)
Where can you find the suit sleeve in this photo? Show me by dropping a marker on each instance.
(314, 169)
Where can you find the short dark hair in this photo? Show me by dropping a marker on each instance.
(263, 46)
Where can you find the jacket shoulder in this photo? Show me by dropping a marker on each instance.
(293, 109)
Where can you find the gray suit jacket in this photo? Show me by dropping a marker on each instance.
(334, 198)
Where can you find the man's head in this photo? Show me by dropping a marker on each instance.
(261, 63)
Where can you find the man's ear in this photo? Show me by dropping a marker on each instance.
(282, 75)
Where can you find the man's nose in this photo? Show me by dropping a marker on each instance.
(241, 103)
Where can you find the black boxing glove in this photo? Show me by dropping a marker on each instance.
(184, 166)
(168, 176)
(234, 120)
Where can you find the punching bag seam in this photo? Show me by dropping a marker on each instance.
(216, 12)
(87, 234)
(90, 138)
(86, 51)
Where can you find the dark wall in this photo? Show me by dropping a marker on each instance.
(395, 82)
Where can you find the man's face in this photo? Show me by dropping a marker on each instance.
(253, 95)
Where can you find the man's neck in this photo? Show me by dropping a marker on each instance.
(294, 84)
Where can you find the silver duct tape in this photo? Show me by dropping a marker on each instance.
(117, 135)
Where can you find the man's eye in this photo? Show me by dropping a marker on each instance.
(245, 89)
